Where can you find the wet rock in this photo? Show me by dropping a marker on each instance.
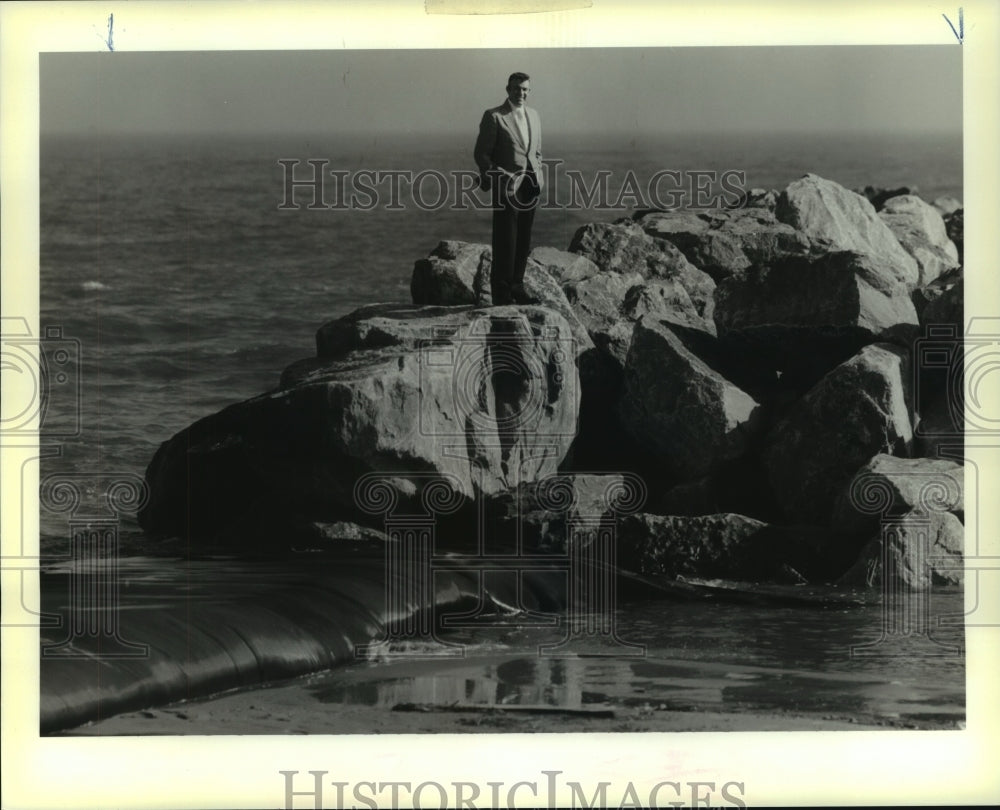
(836, 219)
(679, 408)
(921, 231)
(921, 549)
(858, 410)
(458, 396)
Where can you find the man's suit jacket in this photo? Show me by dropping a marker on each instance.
(500, 145)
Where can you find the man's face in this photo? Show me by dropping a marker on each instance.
(518, 92)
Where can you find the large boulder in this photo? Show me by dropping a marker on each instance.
(562, 265)
(917, 550)
(921, 231)
(889, 485)
(858, 410)
(682, 411)
(476, 400)
(803, 315)
(834, 218)
(726, 242)
(623, 247)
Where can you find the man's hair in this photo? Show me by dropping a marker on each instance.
(517, 78)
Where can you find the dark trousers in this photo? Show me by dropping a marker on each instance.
(512, 221)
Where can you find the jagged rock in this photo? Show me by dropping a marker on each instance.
(940, 429)
(727, 242)
(920, 229)
(452, 275)
(705, 546)
(946, 205)
(623, 247)
(665, 300)
(856, 411)
(680, 409)
(888, 485)
(415, 394)
(802, 316)
(924, 549)
(835, 219)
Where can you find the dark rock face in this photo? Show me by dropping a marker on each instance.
(954, 224)
(468, 397)
(858, 410)
(682, 410)
(878, 197)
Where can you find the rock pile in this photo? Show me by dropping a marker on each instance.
(761, 370)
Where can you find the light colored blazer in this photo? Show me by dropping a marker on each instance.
(500, 145)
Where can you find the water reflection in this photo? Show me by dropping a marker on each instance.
(720, 657)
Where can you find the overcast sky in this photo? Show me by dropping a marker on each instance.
(634, 90)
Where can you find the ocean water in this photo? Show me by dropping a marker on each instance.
(181, 285)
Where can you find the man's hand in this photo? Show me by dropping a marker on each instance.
(485, 181)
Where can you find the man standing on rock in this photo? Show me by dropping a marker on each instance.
(509, 156)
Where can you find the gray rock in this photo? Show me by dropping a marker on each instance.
(671, 546)
(923, 550)
(888, 485)
(858, 410)
(727, 242)
(834, 219)
(623, 247)
(802, 315)
(463, 396)
(920, 229)
(942, 285)
(452, 275)
(946, 205)
(562, 265)
(677, 407)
